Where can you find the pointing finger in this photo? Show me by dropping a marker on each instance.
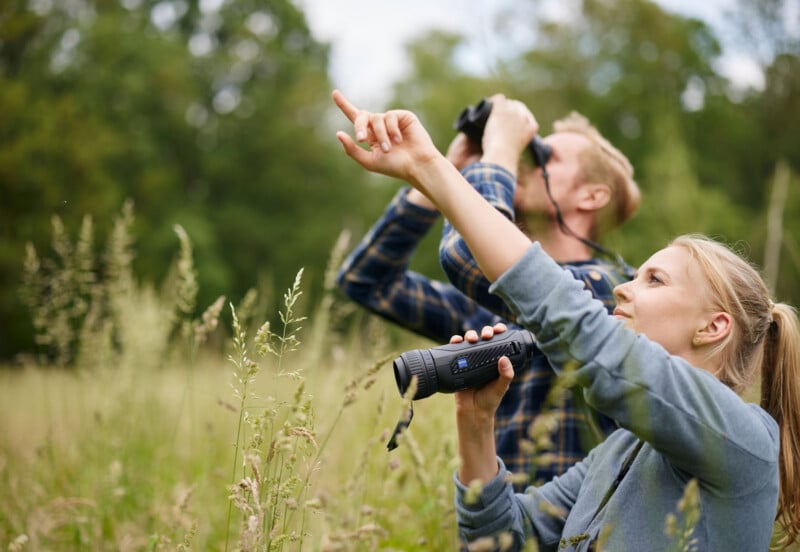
(358, 117)
(350, 111)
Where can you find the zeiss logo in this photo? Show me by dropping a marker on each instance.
(462, 363)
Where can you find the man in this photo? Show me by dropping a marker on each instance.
(585, 189)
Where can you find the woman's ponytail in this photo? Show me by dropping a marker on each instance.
(780, 396)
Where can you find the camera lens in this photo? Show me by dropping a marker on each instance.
(410, 364)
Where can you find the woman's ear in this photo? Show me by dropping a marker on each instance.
(718, 327)
(593, 197)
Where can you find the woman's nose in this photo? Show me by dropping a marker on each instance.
(621, 292)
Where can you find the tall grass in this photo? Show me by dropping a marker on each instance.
(130, 429)
(145, 438)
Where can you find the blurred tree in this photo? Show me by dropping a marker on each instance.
(768, 31)
(437, 90)
(770, 27)
(629, 66)
(705, 153)
(209, 115)
(677, 202)
(621, 63)
(214, 116)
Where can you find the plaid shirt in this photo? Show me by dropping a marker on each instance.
(376, 275)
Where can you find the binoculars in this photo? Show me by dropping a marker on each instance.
(473, 119)
(451, 368)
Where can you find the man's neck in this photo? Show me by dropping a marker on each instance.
(558, 245)
(563, 248)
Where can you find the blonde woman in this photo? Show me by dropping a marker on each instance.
(693, 330)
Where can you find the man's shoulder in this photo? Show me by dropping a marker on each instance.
(600, 275)
(597, 269)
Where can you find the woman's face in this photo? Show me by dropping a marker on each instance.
(666, 300)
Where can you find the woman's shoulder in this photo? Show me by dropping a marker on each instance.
(769, 423)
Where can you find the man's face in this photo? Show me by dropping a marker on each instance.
(562, 168)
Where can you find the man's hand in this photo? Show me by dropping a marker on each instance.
(463, 152)
(510, 128)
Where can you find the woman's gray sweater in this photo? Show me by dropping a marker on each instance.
(692, 426)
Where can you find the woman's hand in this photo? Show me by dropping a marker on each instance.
(475, 409)
(482, 402)
(398, 143)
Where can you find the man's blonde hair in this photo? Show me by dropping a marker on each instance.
(603, 163)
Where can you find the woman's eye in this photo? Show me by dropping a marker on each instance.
(654, 279)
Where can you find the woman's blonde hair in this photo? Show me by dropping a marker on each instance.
(764, 341)
(601, 162)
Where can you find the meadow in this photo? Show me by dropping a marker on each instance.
(138, 426)
(145, 427)
(249, 452)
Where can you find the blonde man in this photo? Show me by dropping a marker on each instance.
(592, 184)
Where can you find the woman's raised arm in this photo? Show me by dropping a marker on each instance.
(400, 147)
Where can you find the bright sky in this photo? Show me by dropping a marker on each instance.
(367, 37)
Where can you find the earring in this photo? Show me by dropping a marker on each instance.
(697, 341)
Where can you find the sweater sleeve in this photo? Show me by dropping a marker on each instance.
(701, 426)
(539, 513)
(496, 185)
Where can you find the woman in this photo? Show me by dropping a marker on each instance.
(690, 334)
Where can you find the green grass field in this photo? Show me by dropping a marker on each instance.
(124, 458)
(130, 458)
(149, 429)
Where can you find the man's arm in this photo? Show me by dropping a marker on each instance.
(376, 275)
(494, 177)
(496, 185)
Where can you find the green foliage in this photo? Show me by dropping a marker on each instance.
(218, 122)
(209, 120)
(81, 305)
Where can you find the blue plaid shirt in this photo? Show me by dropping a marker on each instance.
(376, 275)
